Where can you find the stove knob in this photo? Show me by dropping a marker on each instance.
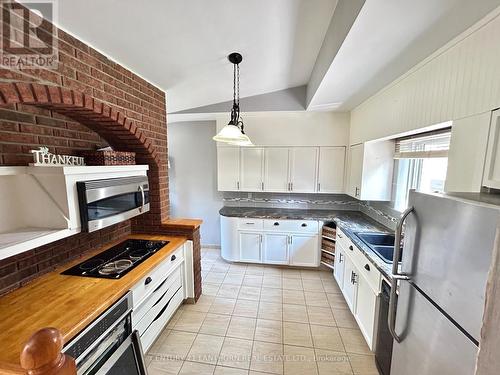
(148, 280)
(173, 258)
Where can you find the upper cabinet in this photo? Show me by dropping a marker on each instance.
(281, 169)
(331, 169)
(371, 166)
(491, 177)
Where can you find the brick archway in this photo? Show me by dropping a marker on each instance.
(120, 132)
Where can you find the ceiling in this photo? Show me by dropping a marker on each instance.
(181, 45)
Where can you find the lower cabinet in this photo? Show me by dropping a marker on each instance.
(365, 311)
(250, 247)
(304, 250)
(339, 266)
(276, 248)
(350, 288)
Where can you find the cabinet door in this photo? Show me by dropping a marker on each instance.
(331, 169)
(304, 250)
(491, 176)
(250, 247)
(251, 169)
(355, 170)
(276, 169)
(276, 248)
(350, 286)
(366, 302)
(339, 266)
(228, 168)
(303, 168)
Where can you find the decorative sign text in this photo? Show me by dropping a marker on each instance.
(42, 157)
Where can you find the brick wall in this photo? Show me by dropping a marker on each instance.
(109, 104)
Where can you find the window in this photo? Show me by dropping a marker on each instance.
(421, 164)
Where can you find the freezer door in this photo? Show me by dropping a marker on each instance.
(431, 344)
(447, 253)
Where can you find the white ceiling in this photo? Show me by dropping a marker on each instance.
(182, 45)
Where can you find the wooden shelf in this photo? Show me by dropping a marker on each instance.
(327, 264)
(328, 252)
(328, 238)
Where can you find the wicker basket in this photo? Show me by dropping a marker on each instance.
(109, 157)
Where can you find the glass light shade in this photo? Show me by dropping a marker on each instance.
(243, 143)
(230, 133)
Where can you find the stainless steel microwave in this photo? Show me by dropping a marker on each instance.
(110, 201)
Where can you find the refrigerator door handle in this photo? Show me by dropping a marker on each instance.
(391, 316)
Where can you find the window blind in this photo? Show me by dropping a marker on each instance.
(426, 145)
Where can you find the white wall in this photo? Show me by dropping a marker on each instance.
(459, 80)
(295, 128)
(193, 176)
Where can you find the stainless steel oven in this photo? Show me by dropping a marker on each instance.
(110, 201)
(108, 346)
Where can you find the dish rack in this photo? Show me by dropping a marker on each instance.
(328, 234)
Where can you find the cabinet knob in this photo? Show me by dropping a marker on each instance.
(276, 223)
(304, 225)
(173, 257)
(367, 267)
(148, 280)
(351, 248)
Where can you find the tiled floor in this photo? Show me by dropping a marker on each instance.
(254, 319)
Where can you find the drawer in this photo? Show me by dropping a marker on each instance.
(147, 304)
(297, 226)
(151, 281)
(250, 223)
(152, 332)
(342, 239)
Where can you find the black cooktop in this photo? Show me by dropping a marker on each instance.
(117, 260)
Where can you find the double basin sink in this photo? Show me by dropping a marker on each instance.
(382, 244)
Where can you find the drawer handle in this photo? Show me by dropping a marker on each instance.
(276, 223)
(173, 258)
(148, 280)
(249, 223)
(340, 236)
(367, 267)
(304, 225)
(351, 248)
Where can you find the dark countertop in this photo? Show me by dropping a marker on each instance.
(349, 221)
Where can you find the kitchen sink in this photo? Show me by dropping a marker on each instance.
(382, 244)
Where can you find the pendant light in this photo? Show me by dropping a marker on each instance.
(233, 133)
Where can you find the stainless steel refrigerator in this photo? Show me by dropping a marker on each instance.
(436, 321)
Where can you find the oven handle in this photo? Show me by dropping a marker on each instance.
(143, 199)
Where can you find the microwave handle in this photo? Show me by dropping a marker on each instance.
(141, 188)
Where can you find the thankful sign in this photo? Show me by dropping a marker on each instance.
(42, 157)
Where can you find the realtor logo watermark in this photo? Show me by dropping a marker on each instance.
(28, 35)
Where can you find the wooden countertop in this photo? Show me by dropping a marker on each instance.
(68, 303)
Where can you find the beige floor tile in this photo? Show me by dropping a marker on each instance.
(270, 270)
(215, 324)
(215, 277)
(268, 331)
(205, 349)
(271, 281)
(270, 310)
(228, 291)
(220, 370)
(202, 305)
(312, 285)
(177, 345)
(209, 289)
(310, 274)
(337, 301)
(297, 334)
(320, 315)
(253, 269)
(327, 338)
(220, 267)
(326, 274)
(253, 280)
(246, 308)
(190, 321)
(295, 313)
(241, 327)
(316, 299)
(237, 268)
(155, 348)
(234, 278)
(363, 364)
(299, 361)
(332, 362)
(354, 341)
(164, 366)
(331, 286)
(236, 353)
(267, 357)
(193, 368)
(174, 319)
(344, 318)
(293, 297)
(250, 293)
(292, 284)
(291, 273)
(222, 306)
(271, 295)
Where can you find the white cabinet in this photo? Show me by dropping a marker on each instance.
(250, 247)
(331, 169)
(303, 167)
(366, 303)
(251, 169)
(371, 166)
(228, 168)
(491, 177)
(350, 290)
(276, 169)
(304, 250)
(276, 248)
(339, 266)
